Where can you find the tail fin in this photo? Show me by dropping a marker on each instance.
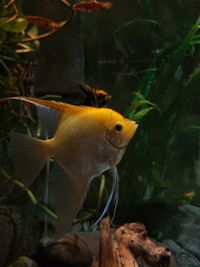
(29, 156)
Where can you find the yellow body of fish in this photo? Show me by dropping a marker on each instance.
(86, 142)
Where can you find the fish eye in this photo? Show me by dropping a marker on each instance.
(118, 127)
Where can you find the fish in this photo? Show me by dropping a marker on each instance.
(84, 141)
(95, 97)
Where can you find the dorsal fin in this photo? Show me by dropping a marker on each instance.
(48, 120)
(58, 106)
(47, 109)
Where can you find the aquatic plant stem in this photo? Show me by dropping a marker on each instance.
(46, 193)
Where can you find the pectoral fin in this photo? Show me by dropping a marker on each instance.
(114, 195)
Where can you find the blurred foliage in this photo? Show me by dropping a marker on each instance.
(19, 41)
(160, 104)
(165, 82)
(150, 56)
(13, 30)
(20, 37)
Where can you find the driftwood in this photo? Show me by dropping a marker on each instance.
(127, 246)
(23, 261)
(19, 233)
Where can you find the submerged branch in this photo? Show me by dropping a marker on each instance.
(16, 14)
(126, 246)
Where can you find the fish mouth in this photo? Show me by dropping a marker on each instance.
(114, 145)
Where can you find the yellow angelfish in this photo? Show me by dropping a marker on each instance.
(86, 142)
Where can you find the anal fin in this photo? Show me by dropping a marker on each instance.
(69, 196)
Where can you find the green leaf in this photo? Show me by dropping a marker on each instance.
(146, 83)
(19, 184)
(195, 42)
(47, 210)
(178, 55)
(137, 96)
(139, 102)
(143, 102)
(188, 90)
(140, 114)
(33, 31)
(129, 23)
(16, 26)
(29, 193)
